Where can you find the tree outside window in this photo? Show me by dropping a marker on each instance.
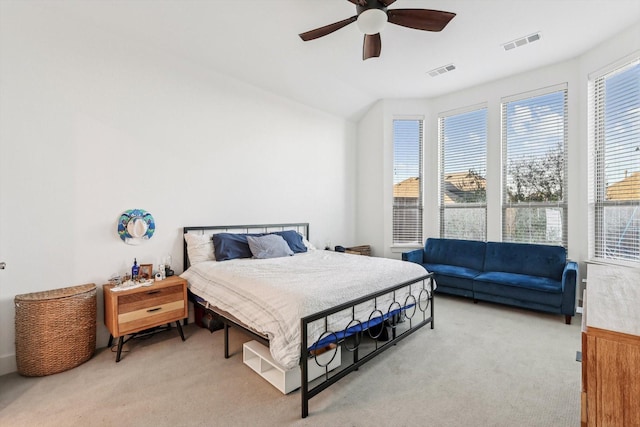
(535, 174)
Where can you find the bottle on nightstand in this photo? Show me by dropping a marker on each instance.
(135, 269)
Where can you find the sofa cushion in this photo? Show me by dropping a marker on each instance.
(540, 284)
(461, 253)
(452, 270)
(524, 258)
(452, 276)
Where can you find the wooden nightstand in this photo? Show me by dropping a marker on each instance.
(134, 310)
(359, 250)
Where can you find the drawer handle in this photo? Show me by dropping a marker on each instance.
(151, 310)
(153, 292)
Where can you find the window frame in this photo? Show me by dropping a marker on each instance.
(598, 185)
(397, 207)
(443, 206)
(508, 205)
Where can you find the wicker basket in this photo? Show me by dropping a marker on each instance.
(55, 330)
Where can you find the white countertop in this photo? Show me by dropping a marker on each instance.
(613, 298)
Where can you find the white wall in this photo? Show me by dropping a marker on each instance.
(573, 72)
(370, 161)
(92, 124)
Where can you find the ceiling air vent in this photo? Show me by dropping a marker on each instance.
(521, 41)
(441, 70)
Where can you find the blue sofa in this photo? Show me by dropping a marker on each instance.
(537, 277)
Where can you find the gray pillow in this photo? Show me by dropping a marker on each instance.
(269, 246)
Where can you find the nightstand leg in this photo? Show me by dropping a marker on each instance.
(180, 330)
(110, 340)
(120, 341)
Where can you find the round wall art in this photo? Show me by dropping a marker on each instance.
(136, 226)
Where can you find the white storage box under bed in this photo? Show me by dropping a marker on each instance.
(257, 357)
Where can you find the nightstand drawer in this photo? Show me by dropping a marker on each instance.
(151, 316)
(149, 299)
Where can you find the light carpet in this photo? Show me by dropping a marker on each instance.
(483, 365)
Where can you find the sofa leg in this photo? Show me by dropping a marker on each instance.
(567, 319)
(475, 301)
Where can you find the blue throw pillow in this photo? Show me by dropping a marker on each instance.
(293, 239)
(269, 246)
(228, 246)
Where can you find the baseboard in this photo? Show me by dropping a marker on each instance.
(8, 364)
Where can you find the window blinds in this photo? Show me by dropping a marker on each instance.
(407, 181)
(614, 174)
(463, 200)
(534, 134)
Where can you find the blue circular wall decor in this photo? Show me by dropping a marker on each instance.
(136, 226)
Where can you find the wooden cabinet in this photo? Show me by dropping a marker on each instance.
(611, 347)
(129, 311)
(359, 250)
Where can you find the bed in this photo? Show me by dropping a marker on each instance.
(308, 303)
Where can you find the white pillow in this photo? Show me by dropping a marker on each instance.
(199, 248)
(308, 244)
(269, 246)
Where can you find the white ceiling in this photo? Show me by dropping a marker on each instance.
(257, 41)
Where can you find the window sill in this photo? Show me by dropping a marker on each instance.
(396, 249)
(613, 262)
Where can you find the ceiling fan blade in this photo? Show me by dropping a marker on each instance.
(359, 2)
(420, 19)
(386, 3)
(327, 29)
(372, 46)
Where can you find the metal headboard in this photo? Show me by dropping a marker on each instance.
(300, 227)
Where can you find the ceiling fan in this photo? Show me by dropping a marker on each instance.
(373, 14)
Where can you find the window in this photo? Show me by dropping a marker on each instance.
(463, 195)
(614, 174)
(534, 137)
(407, 181)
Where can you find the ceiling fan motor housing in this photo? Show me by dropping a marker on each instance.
(371, 4)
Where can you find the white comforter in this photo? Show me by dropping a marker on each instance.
(272, 295)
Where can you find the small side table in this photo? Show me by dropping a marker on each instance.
(131, 311)
(359, 250)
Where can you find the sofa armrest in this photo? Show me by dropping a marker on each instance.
(414, 256)
(569, 279)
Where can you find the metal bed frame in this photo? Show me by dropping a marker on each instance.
(403, 318)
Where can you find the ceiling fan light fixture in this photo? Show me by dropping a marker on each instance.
(372, 21)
